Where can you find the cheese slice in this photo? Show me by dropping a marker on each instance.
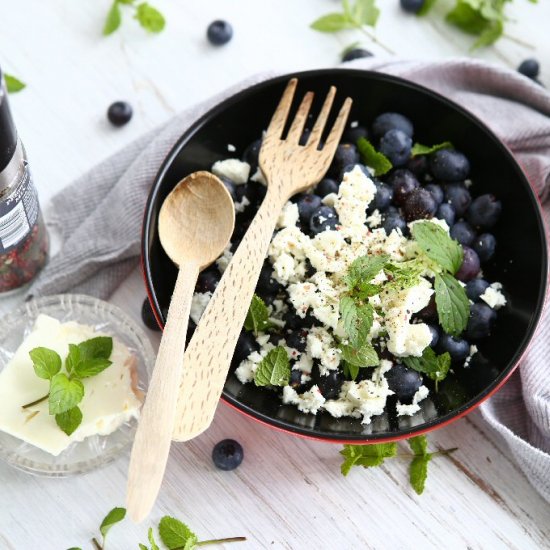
(110, 398)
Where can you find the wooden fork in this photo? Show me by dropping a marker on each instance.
(289, 168)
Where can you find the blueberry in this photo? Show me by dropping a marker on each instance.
(396, 145)
(446, 212)
(330, 384)
(463, 232)
(227, 454)
(295, 322)
(266, 282)
(346, 154)
(356, 53)
(148, 317)
(246, 344)
(485, 246)
(458, 197)
(418, 165)
(403, 182)
(352, 135)
(404, 382)
(325, 187)
(449, 165)
(219, 32)
(208, 280)
(322, 219)
(529, 67)
(470, 265)
(480, 322)
(190, 331)
(297, 339)
(231, 187)
(475, 288)
(251, 154)
(412, 6)
(394, 221)
(484, 211)
(391, 121)
(419, 205)
(253, 191)
(119, 113)
(307, 205)
(457, 348)
(436, 192)
(435, 335)
(382, 199)
(295, 379)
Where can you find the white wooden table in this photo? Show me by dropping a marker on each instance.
(288, 493)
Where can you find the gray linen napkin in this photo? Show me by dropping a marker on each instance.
(99, 217)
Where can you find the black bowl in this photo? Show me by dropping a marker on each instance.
(520, 263)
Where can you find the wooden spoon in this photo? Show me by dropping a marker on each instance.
(195, 224)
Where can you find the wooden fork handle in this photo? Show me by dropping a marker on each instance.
(208, 356)
(154, 433)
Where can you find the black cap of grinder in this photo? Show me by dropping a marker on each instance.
(8, 133)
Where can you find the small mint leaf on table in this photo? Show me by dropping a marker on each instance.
(366, 455)
(438, 245)
(453, 306)
(357, 319)
(365, 12)
(143, 547)
(426, 8)
(365, 356)
(418, 444)
(64, 393)
(46, 362)
(332, 22)
(467, 16)
(419, 149)
(152, 541)
(13, 84)
(418, 472)
(490, 35)
(274, 369)
(372, 158)
(257, 318)
(175, 534)
(69, 420)
(150, 18)
(435, 367)
(113, 20)
(115, 516)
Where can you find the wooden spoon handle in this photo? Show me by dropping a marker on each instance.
(154, 433)
(208, 356)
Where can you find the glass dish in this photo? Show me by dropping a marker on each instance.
(94, 451)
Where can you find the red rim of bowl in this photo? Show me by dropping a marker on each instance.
(429, 426)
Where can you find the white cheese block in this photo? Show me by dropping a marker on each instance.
(110, 398)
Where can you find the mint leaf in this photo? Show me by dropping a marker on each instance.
(349, 48)
(453, 306)
(64, 393)
(425, 9)
(257, 318)
(99, 347)
(46, 362)
(113, 20)
(150, 18)
(466, 15)
(419, 149)
(13, 84)
(366, 455)
(150, 536)
(435, 367)
(175, 534)
(372, 158)
(350, 371)
(365, 12)
(357, 319)
(365, 356)
(112, 518)
(437, 244)
(274, 369)
(418, 472)
(73, 358)
(364, 269)
(490, 35)
(404, 275)
(91, 367)
(69, 420)
(332, 22)
(142, 546)
(418, 444)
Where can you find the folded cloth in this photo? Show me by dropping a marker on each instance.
(99, 218)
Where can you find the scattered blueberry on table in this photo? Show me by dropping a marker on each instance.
(219, 32)
(529, 68)
(227, 454)
(412, 6)
(356, 53)
(119, 113)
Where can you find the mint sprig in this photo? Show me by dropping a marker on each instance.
(419, 149)
(367, 456)
(436, 367)
(66, 390)
(357, 318)
(257, 318)
(149, 17)
(274, 369)
(362, 270)
(373, 158)
(13, 84)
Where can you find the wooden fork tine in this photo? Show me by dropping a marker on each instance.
(299, 122)
(338, 128)
(321, 121)
(278, 120)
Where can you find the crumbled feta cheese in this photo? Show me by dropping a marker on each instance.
(308, 402)
(354, 124)
(414, 407)
(473, 351)
(330, 199)
(442, 223)
(258, 177)
(241, 206)
(245, 371)
(289, 215)
(375, 219)
(321, 345)
(234, 169)
(494, 297)
(231, 148)
(198, 305)
(223, 261)
(368, 396)
(354, 195)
